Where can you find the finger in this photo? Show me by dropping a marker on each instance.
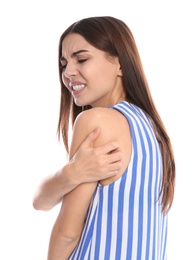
(112, 173)
(114, 157)
(91, 137)
(107, 148)
(114, 169)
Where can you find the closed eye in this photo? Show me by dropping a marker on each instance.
(82, 60)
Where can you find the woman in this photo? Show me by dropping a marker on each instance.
(103, 85)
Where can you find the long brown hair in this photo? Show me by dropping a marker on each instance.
(113, 36)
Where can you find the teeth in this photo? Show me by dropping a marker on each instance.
(78, 87)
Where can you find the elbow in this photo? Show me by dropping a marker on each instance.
(38, 206)
(70, 240)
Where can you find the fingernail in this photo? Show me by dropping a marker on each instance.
(96, 129)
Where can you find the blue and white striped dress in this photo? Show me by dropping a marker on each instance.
(124, 221)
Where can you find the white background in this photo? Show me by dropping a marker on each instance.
(29, 107)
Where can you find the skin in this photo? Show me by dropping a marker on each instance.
(101, 77)
(104, 78)
(96, 163)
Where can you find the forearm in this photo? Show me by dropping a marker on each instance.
(54, 187)
(89, 164)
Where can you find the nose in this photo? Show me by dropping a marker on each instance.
(70, 71)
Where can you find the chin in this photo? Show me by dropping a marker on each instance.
(80, 104)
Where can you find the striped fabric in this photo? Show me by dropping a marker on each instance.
(124, 221)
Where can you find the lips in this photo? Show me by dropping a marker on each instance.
(77, 87)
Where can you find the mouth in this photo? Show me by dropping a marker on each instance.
(77, 87)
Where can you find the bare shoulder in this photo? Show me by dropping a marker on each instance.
(114, 127)
(107, 117)
(112, 123)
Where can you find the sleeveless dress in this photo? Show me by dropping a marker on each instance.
(124, 220)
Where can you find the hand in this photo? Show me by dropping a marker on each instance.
(96, 163)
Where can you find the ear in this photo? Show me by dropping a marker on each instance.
(120, 74)
(119, 70)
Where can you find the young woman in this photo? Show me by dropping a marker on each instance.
(122, 217)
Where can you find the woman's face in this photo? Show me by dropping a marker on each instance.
(92, 77)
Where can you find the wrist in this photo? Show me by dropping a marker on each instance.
(69, 173)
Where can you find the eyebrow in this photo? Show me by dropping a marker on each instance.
(74, 54)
